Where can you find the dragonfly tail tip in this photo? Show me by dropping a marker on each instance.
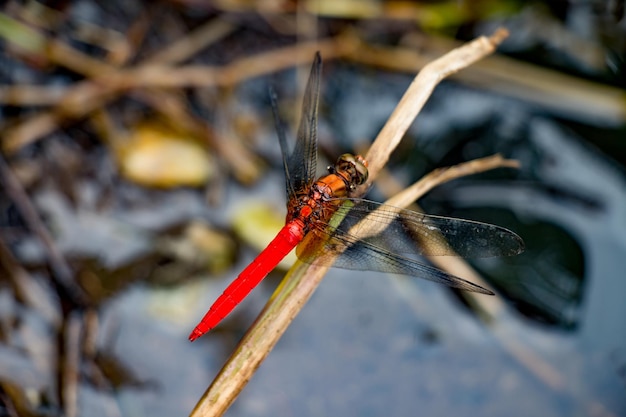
(195, 334)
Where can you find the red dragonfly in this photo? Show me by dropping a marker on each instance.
(323, 222)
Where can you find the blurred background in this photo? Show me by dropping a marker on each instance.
(141, 172)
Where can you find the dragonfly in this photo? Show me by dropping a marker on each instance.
(328, 226)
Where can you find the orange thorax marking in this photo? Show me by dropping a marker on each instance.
(314, 205)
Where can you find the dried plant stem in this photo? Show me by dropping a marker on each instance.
(442, 175)
(70, 364)
(570, 96)
(193, 43)
(31, 95)
(108, 82)
(89, 95)
(302, 280)
(62, 273)
(418, 92)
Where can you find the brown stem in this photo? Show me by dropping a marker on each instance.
(302, 280)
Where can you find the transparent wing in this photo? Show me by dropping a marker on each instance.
(365, 235)
(388, 226)
(280, 131)
(301, 164)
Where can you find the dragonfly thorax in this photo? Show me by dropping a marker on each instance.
(314, 204)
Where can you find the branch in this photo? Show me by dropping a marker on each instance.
(302, 279)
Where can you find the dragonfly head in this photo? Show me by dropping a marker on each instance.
(354, 168)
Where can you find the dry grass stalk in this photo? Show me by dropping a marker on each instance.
(89, 95)
(62, 272)
(419, 91)
(302, 279)
(570, 96)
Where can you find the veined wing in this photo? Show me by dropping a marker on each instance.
(365, 235)
(397, 230)
(303, 161)
(301, 164)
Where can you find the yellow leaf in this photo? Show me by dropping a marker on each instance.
(257, 224)
(158, 157)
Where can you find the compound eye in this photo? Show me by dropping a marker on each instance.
(361, 169)
(346, 158)
(356, 166)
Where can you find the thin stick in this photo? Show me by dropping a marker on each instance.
(302, 280)
(419, 91)
(70, 363)
(87, 96)
(62, 272)
(568, 95)
(442, 175)
(193, 42)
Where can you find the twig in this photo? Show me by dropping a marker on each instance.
(8, 402)
(27, 289)
(443, 175)
(178, 51)
(62, 273)
(30, 41)
(302, 280)
(70, 363)
(419, 91)
(570, 96)
(192, 43)
(31, 95)
(89, 95)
